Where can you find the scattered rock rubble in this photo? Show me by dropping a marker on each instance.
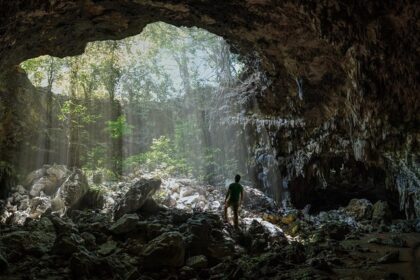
(148, 228)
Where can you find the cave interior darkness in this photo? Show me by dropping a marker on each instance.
(114, 166)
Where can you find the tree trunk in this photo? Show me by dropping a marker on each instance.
(48, 128)
(73, 155)
(49, 112)
(116, 143)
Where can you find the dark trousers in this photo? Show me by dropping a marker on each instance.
(235, 207)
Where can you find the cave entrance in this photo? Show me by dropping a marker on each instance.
(147, 103)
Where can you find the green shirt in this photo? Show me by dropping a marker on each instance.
(235, 190)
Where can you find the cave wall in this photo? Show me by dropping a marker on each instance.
(338, 100)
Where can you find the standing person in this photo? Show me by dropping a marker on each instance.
(234, 198)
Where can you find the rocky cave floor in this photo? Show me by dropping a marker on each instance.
(60, 225)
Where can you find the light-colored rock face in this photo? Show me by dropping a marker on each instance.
(360, 209)
(46, 180)
(73, 189)
(337, 108)
(136, 196)
(68, 192)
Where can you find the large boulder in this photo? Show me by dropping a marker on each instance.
(199, 235)
(335, 230)
(37, 241)
(136, 196)
(166, 250)
(150, 206)
(85, 265)
(34, 175)
(390, 257)
(39, 205)
(256, 199)
(360, 209)
(47, 179)
(125, 224)
(43, 184)
(70, 192)
(66, 245)
(381, 213)
(197, 262)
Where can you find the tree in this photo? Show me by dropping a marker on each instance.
(164, 81)
(74, 114)
(45, 71)
(76, 117)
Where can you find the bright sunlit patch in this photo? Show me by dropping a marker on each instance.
(146, 101)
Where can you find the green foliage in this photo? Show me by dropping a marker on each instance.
(165, 80)
(162, 157)
(76, 113)
(119, 127)
(107, 174)
(169, 159)
(95, 158)
(213, 166)
(43, 70)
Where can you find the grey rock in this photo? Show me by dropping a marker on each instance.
(34, 175)
(197, 262)
(258, 245)
(37, 242)
(150, 207)
(167, 249)
(391, 257)
(39, 205)
(63, 225)
(107, 248)
(381, 212)
(179, 217)
(19, 217)
(199, 237)
(187, 272)
(21, 190)
(136, 196)
(58, 171)
(220, 250)
(125, 224)
(24, 204)
(150, 229)
(375, 240)
(47, 179)
(84, 264)
(44, 184)
(360, 209)
(90, 239)
(319, 263)
(68, 244)
(70, 192)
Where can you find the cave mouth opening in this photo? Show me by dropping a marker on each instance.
(168, 103)
(147, 103)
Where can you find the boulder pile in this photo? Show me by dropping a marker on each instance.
(150, 228)
(53, 187)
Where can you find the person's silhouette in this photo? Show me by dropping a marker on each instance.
(234, 198)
